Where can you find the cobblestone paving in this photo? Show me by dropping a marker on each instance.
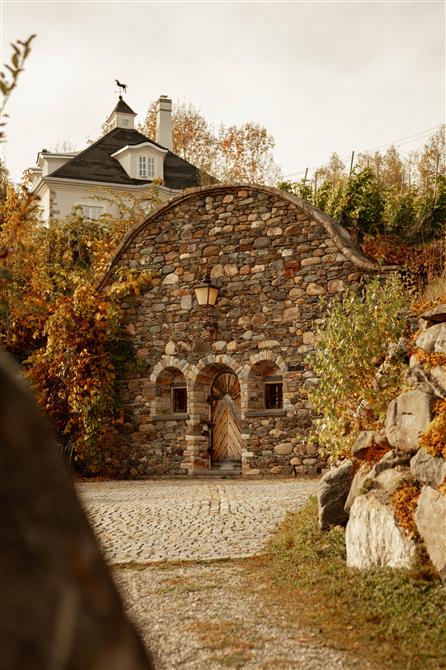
(167, 520)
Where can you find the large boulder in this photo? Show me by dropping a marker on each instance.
(391, 479)
(366, 440)
(60, 606)
(370, 477)
(332, 493)
(435, 315)
(392, 459)
(407, 418)
(433, 340)
(430, 518)
(363, 475)
(430, 380)
(373, 537)
(428, 469)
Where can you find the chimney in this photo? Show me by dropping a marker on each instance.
(164, 122)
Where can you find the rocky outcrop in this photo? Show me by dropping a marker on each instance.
(373, 537)
(360, 481)
(392, 479)
(433, 340)
(407, 418)
(364, 442)
(392, 459)
(428, 469)
(431, 523)
(332, 495)
(435, 315)
(431, 381)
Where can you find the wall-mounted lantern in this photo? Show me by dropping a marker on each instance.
(206, 293)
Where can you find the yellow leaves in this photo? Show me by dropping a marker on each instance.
(430, 359)
(228, 153)
(404, 503)
(434, 438)
(130, 282)
(70, 337)
(351, 346)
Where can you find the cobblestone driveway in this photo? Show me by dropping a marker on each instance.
(188, 520)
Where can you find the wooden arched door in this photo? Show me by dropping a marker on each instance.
(225, 418)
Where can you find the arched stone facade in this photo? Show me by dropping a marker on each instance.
(273, 257)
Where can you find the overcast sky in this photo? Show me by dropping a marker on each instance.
(321, 76)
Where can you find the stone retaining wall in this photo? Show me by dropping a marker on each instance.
(274, 257)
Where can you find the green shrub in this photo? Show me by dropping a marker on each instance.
(352, 343)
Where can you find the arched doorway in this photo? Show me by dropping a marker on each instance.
(225, 437)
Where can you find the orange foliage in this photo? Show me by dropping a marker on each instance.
(76, 373)
(230, 153)
(404, 502)
(70, 338)
(422, 262)
(432, 359)
(375, 453)
(434, 438)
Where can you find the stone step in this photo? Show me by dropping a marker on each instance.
(226, 465)
(224, 470)
(217, 474)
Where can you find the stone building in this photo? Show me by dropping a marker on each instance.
(223, 387)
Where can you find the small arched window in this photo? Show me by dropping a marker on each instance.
(265, 387)
(170, 392)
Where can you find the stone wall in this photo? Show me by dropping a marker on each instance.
(273, 257)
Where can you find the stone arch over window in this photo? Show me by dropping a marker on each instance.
(170, 387)
(264, 378)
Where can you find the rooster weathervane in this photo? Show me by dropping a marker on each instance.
(122, 87)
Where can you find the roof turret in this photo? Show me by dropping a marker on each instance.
(122, 116)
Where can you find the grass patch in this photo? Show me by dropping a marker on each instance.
(228, 640)
(392, 618)
(186, 584)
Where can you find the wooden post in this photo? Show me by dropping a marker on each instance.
(315, 185)
(437, 163)
(351, 163)
(306, 173)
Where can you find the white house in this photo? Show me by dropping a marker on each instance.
(122, 161)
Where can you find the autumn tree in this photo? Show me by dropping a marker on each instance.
(431, 161)
(333, 171)
(230, 153)
(69, 337)
(193, 138)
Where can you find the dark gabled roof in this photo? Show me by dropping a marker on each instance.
(123, 108)
(96, 163)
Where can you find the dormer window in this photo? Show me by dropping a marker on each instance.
(142, 161)
(146, 167)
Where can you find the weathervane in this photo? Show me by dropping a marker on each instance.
(123, 87)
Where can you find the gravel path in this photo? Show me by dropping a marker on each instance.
(203, 613)
(214, 615)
